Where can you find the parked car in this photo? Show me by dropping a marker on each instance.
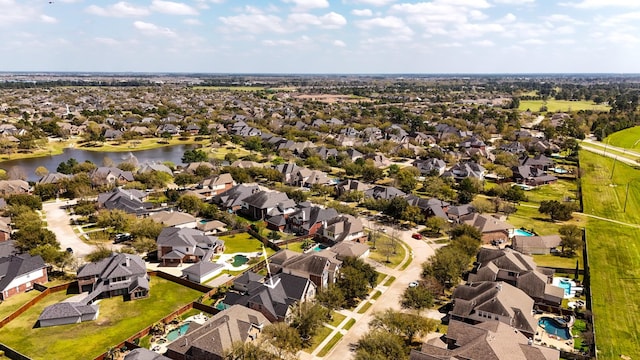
(70, 250)
(122, 237)
(417, 236)
(413, 284)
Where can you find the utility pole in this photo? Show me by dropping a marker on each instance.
(626, 197)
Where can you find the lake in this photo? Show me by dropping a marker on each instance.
(28, 166)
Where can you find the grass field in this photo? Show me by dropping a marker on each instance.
(7, 307)
(319, 337)
(142, 144)
(337, 319)
(614, 254)
(52, 148)
(242, 242)
(627, 138)
(117, 321)
(384, 246)
(561, 105)
(334, 340)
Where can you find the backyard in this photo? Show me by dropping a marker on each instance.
(614, 254)
(242, 243)
(117, 321)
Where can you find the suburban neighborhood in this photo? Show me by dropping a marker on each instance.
(312, 218)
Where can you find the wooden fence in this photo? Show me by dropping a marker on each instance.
(34, 301)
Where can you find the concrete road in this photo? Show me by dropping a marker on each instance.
(58, 221)
(390, 298)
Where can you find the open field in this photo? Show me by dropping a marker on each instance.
(530, 218)
(54, 147)
(627, 138)
(141, 144)
(117, 321)
(13, 303)
(561, 105)
(614, 254)
(384, 247)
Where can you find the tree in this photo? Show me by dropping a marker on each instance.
(285, 339)
(447, 265)
(250, 350)
(515, 194)
(556, 210)
(356, 279)
(396, 207)
(41, 171)
(417, 297)
(436, 224)
(482, 205)
(145, 228)
(144, 245)
(331, 297)
(402, 324)
(98, 254)
(413, 214)
(194, 155)
(406, 178)
(190, 204)
(32, 201)
(116, 219)
(571, 238)
(466, 229)
(466, 244)
(307, 318)
(380, 345)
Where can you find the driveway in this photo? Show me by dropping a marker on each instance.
(58, 222)
(390, 298)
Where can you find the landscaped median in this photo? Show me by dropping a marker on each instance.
(117, 321)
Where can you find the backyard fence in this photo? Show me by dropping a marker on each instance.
(34, 301)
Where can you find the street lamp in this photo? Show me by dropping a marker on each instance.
(626, 196)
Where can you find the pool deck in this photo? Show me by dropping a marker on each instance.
(545, 339)
(161, 348)
(223, 259)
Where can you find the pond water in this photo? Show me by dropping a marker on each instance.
(28, 166)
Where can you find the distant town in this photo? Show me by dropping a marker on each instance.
(251, 216)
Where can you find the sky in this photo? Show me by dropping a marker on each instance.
(321, 36)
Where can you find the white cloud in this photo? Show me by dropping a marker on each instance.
(509, 18)
(120, 9)
(106, 41)
(484, 43)
(304, 5)
(255, 23)
(514, 2)
(193, 22)
(48, 19)
(534, 42)
(395, 24)
(13, 12)
(172, 8)
(562, 18)
(476, 30)
(374, 2)
(153, 29)
(284, 42)
(363, 12)
(331, 20)
(596, 4)
(450, 45)
(339, 43)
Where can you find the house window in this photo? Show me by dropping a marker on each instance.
(118, 278)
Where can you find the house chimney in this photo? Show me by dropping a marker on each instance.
(127, 261)
(499, 287)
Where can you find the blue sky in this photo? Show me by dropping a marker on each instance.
(321, 36)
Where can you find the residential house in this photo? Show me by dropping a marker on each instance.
(456, 213)
(531, 175)
(174, 218)
(18, 274)
(345, 249)
(342, 228)
(273, 297)
(488, 300)
(218, 183)
(168, 129)
(202, 271)
(346, 186)
(491, 339)
(192, 167)
(149, 167)
(379, 160)
(233, 198)
(257, 205)
(383, 192)
(105, 175)
(287, 170)
(213, 339)
(111, 134)
(304, 177)
(321, 270)
(540, 162)
(11, 187)
(464, 170)
(429, 207)
(431, 166)
(535, 245)
(490, 227)
(518, 270)
(177, 246)
(130, 201)
(307, 219)
(5, 229)
(53, 178)
(119, 274)
(144, 354)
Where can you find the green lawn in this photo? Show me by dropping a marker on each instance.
(389, 281)
(558, 191)
(296, 246)
(322, 334)
(561, 105)
(7, 307)
(334, 340)
(242, 243)
(337, 319)
(627, 138)
(141, 144)
(384, 251)
(349, 324)
(364, 308)
(117, 321)
(614, 255)
(556, 261)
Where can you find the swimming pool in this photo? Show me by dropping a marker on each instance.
(520, 232)
(319, 247)
(555, 327)
(176, 333)
(567, 285)
(239, 260)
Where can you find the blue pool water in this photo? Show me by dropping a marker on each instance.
(319, 247)
(566, 286)
(221, 306)
(554, 327)
(520, 232)
(176, 333)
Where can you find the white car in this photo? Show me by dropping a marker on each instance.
(413, 284)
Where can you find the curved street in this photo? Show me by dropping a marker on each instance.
(58, 222)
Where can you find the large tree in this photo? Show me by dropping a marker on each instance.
(380, 345)
(307, 317)
(417, 297)
(285, 339)
(402, 324)
(194, 155)
(571, 238)
(447, 265)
